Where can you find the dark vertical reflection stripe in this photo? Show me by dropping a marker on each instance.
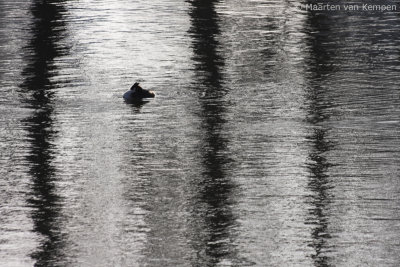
(204, 32)
(319, 67)
(47, 30)
(213, 219)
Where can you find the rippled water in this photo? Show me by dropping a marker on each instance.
(273, 139)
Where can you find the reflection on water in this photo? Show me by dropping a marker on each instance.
(319, 184)
(213, 191)
(332, 55)
(205, 30)
(47, 29)
(319, 66)
(273, 139)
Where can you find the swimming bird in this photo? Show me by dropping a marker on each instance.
(137, 93)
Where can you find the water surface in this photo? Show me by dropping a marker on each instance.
(273, 139)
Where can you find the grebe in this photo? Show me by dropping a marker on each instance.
(137, 93)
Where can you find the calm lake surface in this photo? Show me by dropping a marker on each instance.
(273, 139)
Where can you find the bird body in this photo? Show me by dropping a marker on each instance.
(137, 93)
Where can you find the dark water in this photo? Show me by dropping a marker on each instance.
(273, 139)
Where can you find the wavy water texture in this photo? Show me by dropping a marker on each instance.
(273, 139)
